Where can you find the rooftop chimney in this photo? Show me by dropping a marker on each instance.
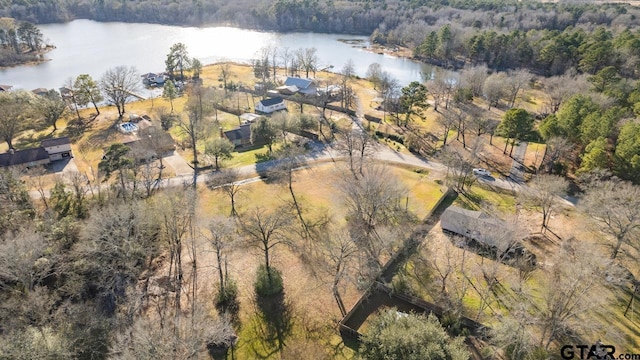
(221, 133)
(11, 151)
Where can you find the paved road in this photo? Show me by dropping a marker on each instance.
(517, 166)
(322, 153)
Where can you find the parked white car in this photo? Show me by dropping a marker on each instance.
(481, 172)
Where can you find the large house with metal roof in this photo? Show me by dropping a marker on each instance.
(303, 86)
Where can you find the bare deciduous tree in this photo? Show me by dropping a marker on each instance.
(566, 291)
(446, 123)
(225, 74)
(266, 230)
(494, 89)
(517, 81)
(222, 236)
(347, 71)
(118, 85)
(560, 88)
(442, 87)
(194, 128)
(227, 181)
(308, 60)
(616, 207)
(23, 263)
(474, 77)
(290, 158)
(149, 340)
(544, 193)
(286, 56)
(558, 148)
(373, 203)
(358, 146)
(118, 242)
(175, 210)
(460, 164)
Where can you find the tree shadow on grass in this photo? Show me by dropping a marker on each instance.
(274, 324)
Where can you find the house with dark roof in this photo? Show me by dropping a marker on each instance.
(40, 91)
(5, 88)
(304, 86)
(27, 157)
(240, 136)
(49, 150)
(270, 105)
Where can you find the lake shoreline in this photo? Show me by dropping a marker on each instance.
(90, 47)
(40, 54)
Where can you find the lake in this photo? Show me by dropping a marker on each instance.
(90, 47)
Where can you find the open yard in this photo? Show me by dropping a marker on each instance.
(307, 284)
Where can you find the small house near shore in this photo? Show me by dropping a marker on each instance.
(271, 105)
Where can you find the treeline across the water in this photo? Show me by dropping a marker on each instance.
(280, 15)
(395, 21)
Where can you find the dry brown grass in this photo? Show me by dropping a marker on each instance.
(306, 286)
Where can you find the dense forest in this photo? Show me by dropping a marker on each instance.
(395, 20)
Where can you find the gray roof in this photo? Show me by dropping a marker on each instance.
(300, 83)
(40, 91)
(55, 142)
(476, 225)
(271, 101)
(23, 157)
(250, 117)
(242, 132)
(5, 87)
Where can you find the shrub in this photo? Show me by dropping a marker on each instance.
(266, 287)
(226, 301)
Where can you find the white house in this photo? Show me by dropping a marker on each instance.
(268, 106)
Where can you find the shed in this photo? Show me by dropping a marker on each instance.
(248, 118)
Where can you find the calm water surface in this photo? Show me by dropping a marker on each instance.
(85, 46)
